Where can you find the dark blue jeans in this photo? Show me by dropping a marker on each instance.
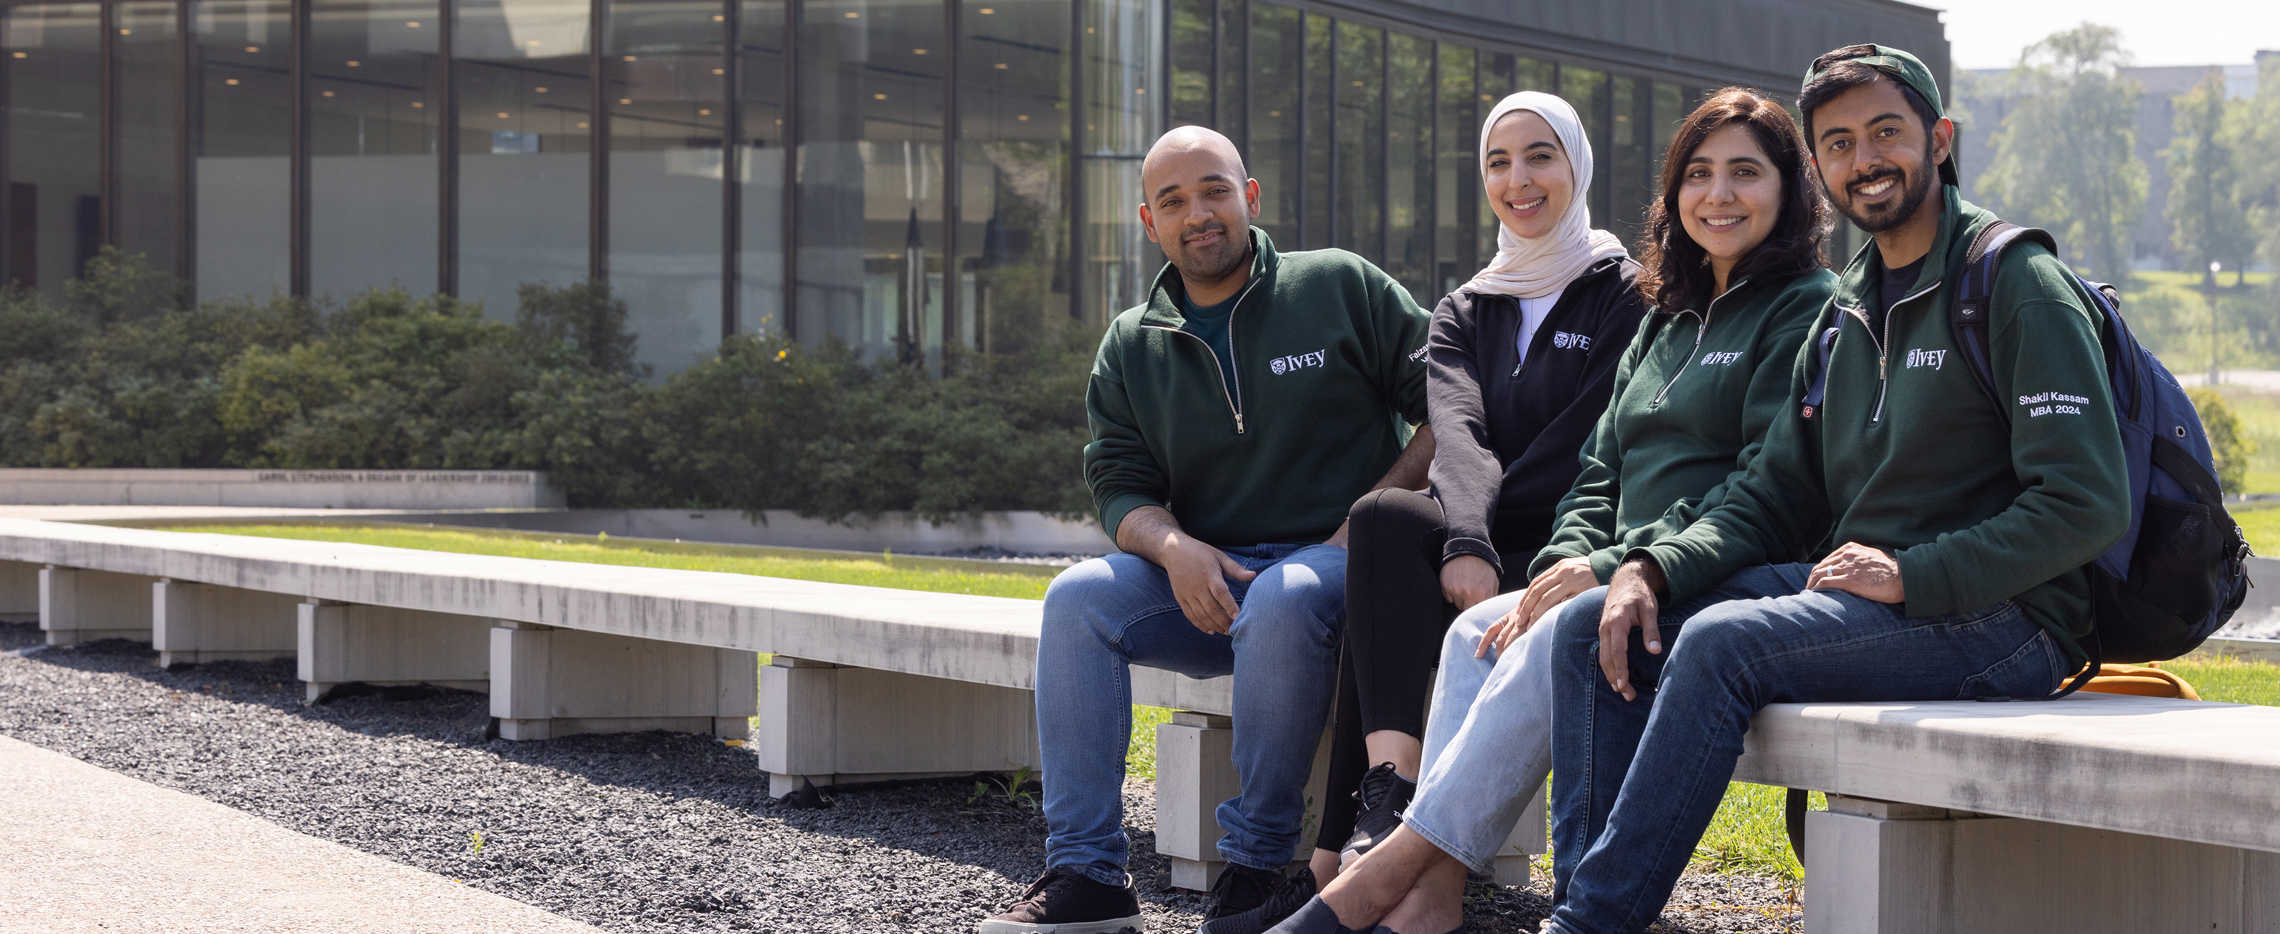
(1636, 782)
(1107, 614)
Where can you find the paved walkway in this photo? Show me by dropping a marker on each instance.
(90, 850)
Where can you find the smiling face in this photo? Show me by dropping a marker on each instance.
(1729, 197)
(1877, 159)
(1526, 175)
(1199, 207)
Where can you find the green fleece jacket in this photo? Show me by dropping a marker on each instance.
(1329, 374)
(1694, 396)
(1907, 453)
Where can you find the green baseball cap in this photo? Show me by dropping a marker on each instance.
(1909, 70)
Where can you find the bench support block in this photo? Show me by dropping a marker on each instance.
(1195, 771)
(82, 606)
(1879, 868)
(827, 725)
(348, 643)
(19, 590)
(192, 622)
(556, 682)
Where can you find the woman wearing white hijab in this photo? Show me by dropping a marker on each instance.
(1521, 360)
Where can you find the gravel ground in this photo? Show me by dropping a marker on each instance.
(634, 833)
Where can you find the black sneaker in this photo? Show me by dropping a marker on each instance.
(1063, 902)
(1383, 795)
(1249, 901)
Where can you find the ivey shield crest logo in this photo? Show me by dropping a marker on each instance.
(1721, 358)
(1281, 365)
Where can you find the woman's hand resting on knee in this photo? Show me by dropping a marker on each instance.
(1466, 580)
(1559, 582)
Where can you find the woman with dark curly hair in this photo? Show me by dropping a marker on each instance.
(1733, 266)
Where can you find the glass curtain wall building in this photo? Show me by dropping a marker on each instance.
(904, 176)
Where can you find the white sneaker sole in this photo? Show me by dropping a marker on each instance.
(1128, 925)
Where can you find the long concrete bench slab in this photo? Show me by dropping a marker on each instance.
(866, 683)
(2096, 813)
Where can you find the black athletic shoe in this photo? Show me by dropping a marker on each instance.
(1063, 902)
(1383, 795)
(1255, 900)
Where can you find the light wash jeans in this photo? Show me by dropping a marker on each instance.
(1488, 741)
(1109, 613)
(1640, 779)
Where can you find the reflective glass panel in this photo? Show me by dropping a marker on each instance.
(1013, 184)
(373, 200)
(1409, 164)
(525, 138)
(147, 69)
(1123, 52)
(665, 63)
(1191, 62)
(1456, 245)
(1586, 88)
(1627, 180)
(243, 175)
(1232, 76)
(1361, 141)
(49, 118)
(1317, 70)
(871, 114)
(761, 38)
(1274, 89)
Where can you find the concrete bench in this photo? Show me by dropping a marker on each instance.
(2097, 813)
(865, 683)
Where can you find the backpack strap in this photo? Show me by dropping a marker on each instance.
(1975, 297)
(1817, 385)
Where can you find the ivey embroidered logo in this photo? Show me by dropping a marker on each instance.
(1281, 365)
(1563, 340)
(1721, 358)
(1931, 358)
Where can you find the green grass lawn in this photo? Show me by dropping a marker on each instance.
(882, 570)
(1747, 834)
(2185, 279)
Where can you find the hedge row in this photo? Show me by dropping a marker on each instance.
(123, 372)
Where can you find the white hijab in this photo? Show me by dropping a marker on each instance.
(1534, 268)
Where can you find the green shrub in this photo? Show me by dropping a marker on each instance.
(2227, 442)
(122, 374)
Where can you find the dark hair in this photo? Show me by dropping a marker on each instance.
(1677, 272)
(1835, 72)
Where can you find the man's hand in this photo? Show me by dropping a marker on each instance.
(1199, 576)
(1631, 604)
(1466, 580)
(1198, 571)
(1864, 572)
(1569, 577)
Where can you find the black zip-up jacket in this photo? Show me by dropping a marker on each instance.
(1507, 436)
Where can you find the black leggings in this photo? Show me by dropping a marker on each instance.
(1395, 619)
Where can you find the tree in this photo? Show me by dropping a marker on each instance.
(2065, 157)
(2255, 128)
(2207, 220)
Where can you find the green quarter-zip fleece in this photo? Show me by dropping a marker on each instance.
(1694, 396)
(1329, 374)
(1907, 454)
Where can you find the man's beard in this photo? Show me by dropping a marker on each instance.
(1913, 190)
(1203, 267)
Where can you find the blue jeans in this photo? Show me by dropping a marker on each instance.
(1639, 780)
(1109, 613)
(1488, 742)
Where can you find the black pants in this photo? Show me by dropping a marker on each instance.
(1395, 619)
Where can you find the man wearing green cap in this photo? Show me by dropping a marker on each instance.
(1960, 527)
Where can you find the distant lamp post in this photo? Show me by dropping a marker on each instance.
(2214, 268)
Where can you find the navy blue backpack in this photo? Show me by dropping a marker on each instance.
(2179, 572)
